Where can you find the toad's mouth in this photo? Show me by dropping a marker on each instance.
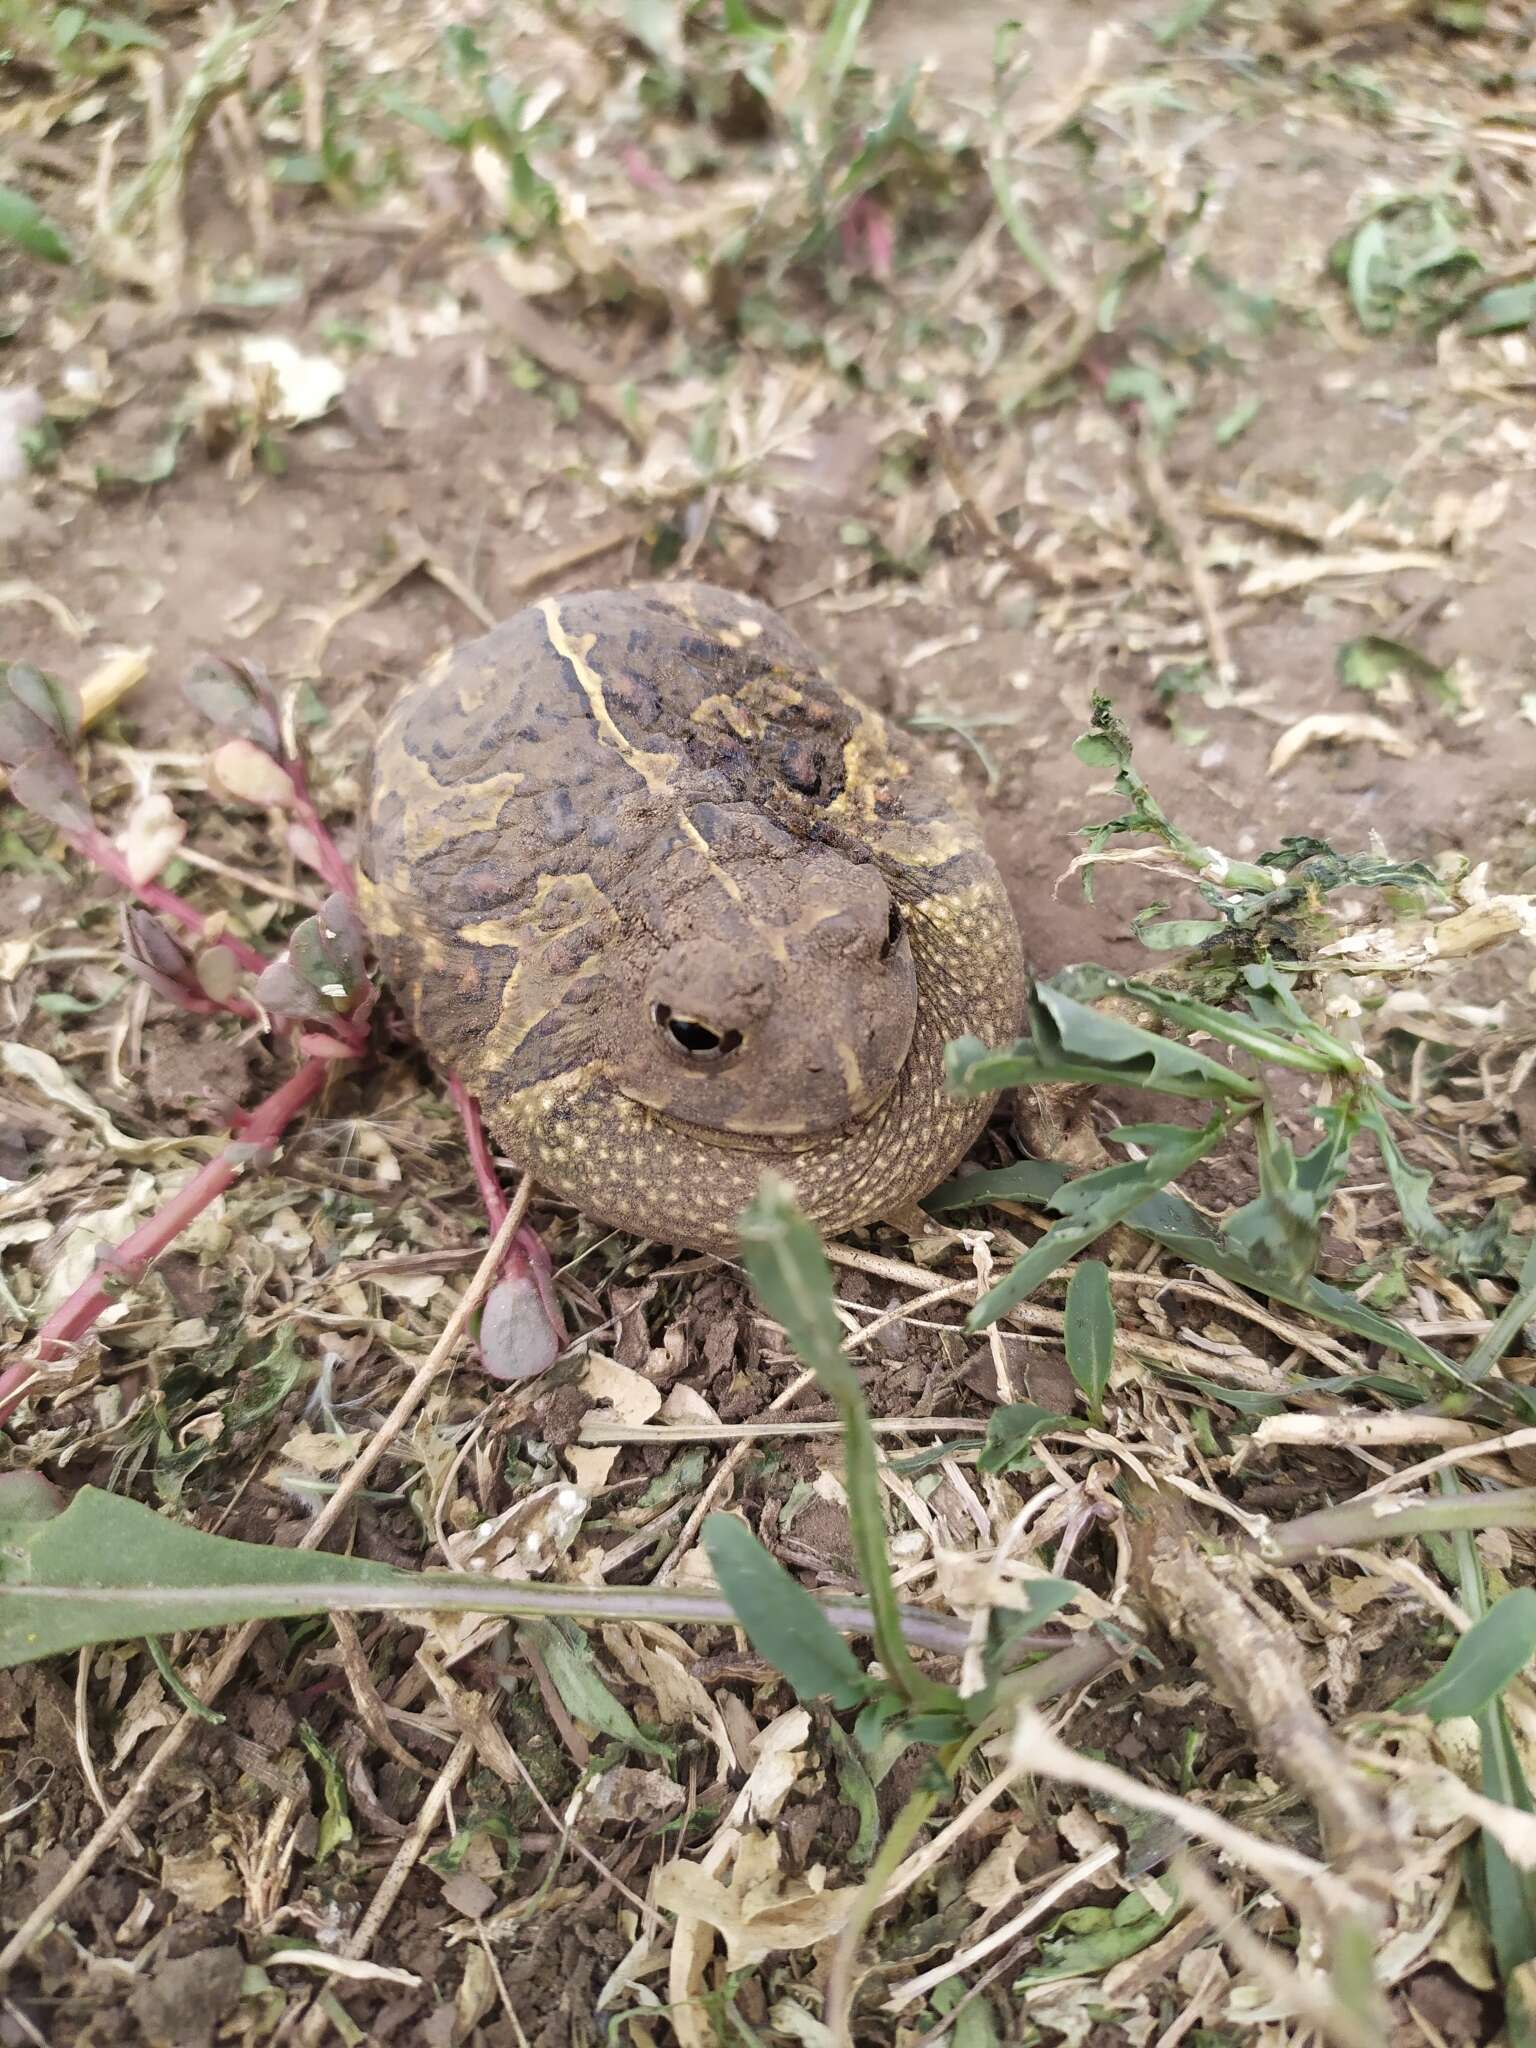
(777, 1144)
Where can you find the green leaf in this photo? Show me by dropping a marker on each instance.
(1174, 934)
(858, 1788)
(1090, 1333)
(789, 1272)
(1370, 663)
(1135, 385)
(567, 1656)
(1073, 1043)
(1089, 1207)
(1011, 1429)
(1026, 1180)
(1279, 1231)
(1505, 308)
(109, 1570)
(1237, 421)
(1507, 1325)
(1410, 1184)
(1171, 1221)
(836, 50)
(1492, 1652)
(21, 222)
(1271, 1032)
(336, 1820)
(782, 1622)
(1086, 1940)
(1375, 305)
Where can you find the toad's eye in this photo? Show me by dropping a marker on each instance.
(688, 1036)
(893, 931)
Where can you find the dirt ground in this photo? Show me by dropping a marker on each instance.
(1172, 465)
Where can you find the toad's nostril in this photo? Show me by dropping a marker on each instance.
(894, 927)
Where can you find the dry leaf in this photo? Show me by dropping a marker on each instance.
(111, 680)
(760, 1912)
(1269, 579)
(45, 1074)
(202, 1881)
(317, 1452)
(146, 1711)
(1330, 727)
(687, 1405)
(778, 1759)
(630, 1396)
(415, 1288)
(339, 1966)
(151, 835)
(627, 1794)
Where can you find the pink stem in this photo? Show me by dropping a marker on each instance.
(526, 1254)
(126, 1264)
(329, 863)
(492, 1196)
(94, 845)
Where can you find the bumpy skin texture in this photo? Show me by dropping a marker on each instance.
(677, 909)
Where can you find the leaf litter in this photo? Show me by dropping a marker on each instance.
(717, 225)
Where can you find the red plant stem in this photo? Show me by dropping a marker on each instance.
(328, 863)
(126, 1264)
(94, 845)
(487, 1179)
(526, 1254)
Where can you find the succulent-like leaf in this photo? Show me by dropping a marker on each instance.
(47, 784)
(235, 698)
(53, 703)
(283, 992)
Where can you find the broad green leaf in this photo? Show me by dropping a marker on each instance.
(1074, 1043)
(781, 1620)
(1375, 306)
(1089, 1207)
(26, 1499)
(1090, 1332)
(1074, 1033)
(1027, 1180)
(567, 1656)
(1011, 1429)
(1318, 1054)
(22, 222)
(1371, 662)
(109, 1570)
(1176, 934)
(1492, 1652)
(1502, 310)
